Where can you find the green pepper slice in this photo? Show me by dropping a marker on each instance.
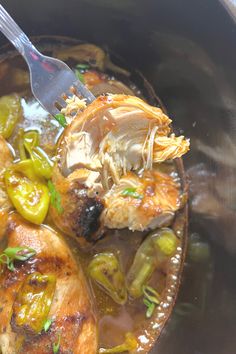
(158, 247)
(165, 242)
(33, 302)
(28, 193)
(10, 113)
(105, 270)
(41, 162)
(130, 345)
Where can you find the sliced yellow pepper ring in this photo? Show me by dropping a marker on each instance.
(33, 302)
(28, 193)
(10, 113)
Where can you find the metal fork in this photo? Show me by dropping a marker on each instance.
(50, 78)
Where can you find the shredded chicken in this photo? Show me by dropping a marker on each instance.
(113, 136)
(74, 105)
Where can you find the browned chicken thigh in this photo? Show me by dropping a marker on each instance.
(49, 286)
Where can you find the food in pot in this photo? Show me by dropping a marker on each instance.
(107, 168)
(92, 212)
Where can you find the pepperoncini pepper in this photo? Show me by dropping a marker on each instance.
(105, 270)
(10, 113)
(33, 302)
(28, 193)
(165, 242)
(20, 144)
(130, 345)
(158, 247)
(28, 142)
(41, 162)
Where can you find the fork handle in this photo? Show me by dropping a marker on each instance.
(15, 34)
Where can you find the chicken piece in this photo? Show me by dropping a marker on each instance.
(5, 204)
(114, 135)
(141, 203)
(80, 216)
(71, 308)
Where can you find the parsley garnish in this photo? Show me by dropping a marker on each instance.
(82, 66)
(151, 299)
(79, 71)
(47, 324)
(55, 197)
(131, 192)
(10, 254)
(56, 346)
(150, 307)
(79, 76)
(61, 119)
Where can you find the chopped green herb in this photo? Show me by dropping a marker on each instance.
(47, 324)
(131, 192)
(151, 299)
(56, 346)
(81, 66)
(79, 76)
(150, 307)
(10, 266)
(61, 119)
(55, 197)
(151, 294)
(11, 254)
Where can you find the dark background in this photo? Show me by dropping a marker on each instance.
(187, 50)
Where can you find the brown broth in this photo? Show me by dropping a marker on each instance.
(114, 320)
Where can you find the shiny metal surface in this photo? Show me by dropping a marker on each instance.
(230, 5)
(187, 49)
(50, 78)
